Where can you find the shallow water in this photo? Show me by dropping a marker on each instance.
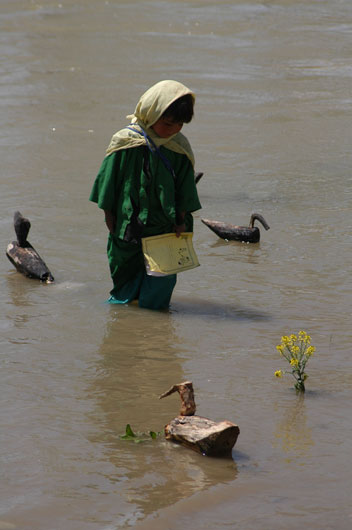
(272, 134)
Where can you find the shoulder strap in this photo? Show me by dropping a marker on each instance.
(155, 149)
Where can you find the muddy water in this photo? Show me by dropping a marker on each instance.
(272, 133)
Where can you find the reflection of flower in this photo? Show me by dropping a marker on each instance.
(296, 351)
(292, 432)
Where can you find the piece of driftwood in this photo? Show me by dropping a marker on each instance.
(200, 434)
(247, 234)
(23, 256)
(188, 405)
(203, 435)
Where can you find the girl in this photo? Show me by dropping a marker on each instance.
(146, 187)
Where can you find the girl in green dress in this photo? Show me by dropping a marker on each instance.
(146, 187)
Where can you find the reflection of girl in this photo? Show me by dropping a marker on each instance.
(146, 187)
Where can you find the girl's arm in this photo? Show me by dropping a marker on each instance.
(180, 223)
(110, 221)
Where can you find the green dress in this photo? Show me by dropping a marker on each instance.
(140, 191)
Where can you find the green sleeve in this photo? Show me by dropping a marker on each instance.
(105, 187)
(186, 192)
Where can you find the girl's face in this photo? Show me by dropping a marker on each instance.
(166, 127)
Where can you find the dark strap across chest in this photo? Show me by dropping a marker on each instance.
(153, 148)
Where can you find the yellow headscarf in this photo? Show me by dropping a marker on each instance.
(149, 109)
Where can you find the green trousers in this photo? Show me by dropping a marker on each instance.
(152, 292)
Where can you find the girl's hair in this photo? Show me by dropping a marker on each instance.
(180, 110)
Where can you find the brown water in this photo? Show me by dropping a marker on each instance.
(272, 134)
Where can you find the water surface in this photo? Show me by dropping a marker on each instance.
(272, 134)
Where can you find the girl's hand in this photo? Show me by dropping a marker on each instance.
(179, 229)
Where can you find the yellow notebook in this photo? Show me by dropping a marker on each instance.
(168, 254)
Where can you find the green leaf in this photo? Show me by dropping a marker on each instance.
(129, 435)
(129, 431)
(139, 437)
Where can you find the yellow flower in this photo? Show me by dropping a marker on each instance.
(304, 337)
(310, 350)
(295, 350)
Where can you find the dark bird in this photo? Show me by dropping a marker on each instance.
(23, 256)
(248, 234)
